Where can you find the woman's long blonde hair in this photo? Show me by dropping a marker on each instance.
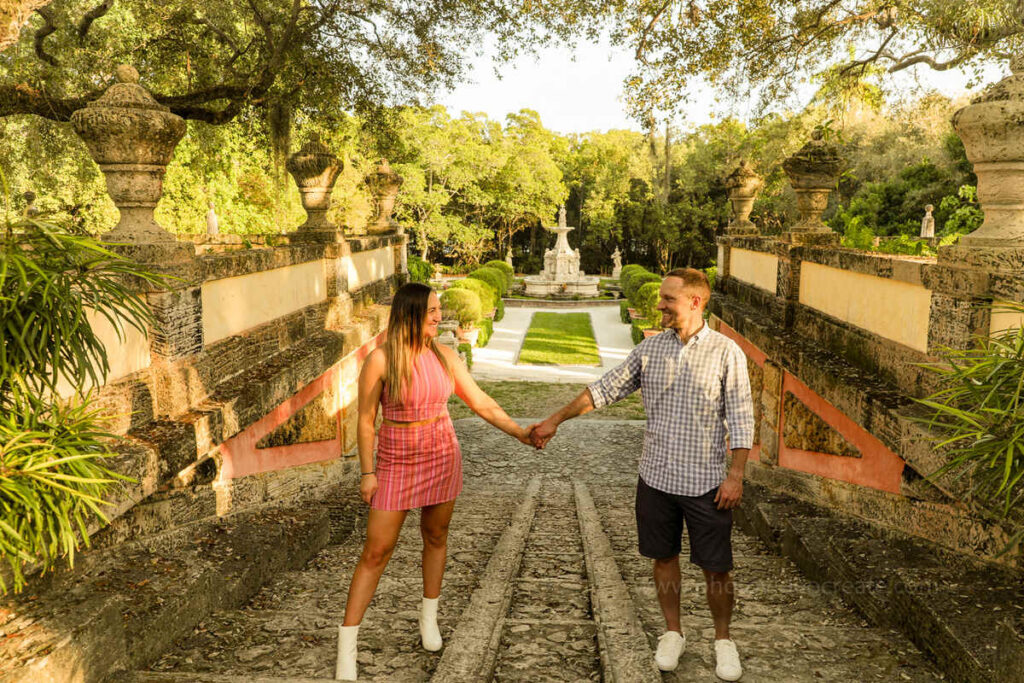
(406, 338)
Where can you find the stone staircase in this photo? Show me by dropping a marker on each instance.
(543, 583)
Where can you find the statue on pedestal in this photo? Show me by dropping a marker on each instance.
(212, 224)
(616, 263)
(928, 223)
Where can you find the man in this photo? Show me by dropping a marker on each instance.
(694, 384)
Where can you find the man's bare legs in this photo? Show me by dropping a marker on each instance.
(666, 582)
(720, 599)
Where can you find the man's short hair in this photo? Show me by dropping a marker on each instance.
(693, 279)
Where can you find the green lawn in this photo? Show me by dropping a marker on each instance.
(560, 339)
(540, 399)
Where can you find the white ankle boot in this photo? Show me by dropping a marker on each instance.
(430, 634)
(346, 668)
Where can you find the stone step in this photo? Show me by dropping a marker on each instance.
(471, 653)
(950, 607)
(121, 607)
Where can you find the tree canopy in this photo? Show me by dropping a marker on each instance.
(209, 61)
(765, 47)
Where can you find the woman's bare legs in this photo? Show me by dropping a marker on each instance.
(382, 529)
(434, 522)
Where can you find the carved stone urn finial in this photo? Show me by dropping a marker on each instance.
(743, 185)
(132, 137)
(813, 172)
(992, 130)
(315, 169)
(383, 184)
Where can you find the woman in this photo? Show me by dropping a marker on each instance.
(419, 464)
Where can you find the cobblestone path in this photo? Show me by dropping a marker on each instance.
(543, 584)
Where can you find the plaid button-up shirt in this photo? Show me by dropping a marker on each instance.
(694, 394)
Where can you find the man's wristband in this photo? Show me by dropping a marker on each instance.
(367, 473)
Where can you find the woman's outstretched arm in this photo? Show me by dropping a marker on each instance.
(371, 383)
(479, 402)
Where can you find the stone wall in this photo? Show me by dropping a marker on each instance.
(835, 345)
(248, 389)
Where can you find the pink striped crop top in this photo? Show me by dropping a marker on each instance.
(426, 396)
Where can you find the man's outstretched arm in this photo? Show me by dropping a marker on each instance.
(542, 432)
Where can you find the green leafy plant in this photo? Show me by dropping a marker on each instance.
(492, 276)
(419, 270)
(647, 299)
(52, 480)
(486, 326)
(505, 269)
(624, 312)
(488, 297)
(466, 351)
(462, 305)
(978, 414)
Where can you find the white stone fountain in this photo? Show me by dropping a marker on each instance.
(561, 276)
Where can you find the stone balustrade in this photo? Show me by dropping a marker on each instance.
(244, 390)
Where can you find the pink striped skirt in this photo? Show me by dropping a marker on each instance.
(417, 466)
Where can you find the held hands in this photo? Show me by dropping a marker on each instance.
(541, 433)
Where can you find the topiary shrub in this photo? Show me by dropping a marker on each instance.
(466, 351)
(419, 270)
(624, 312)
(638, 281)
(492, 276)
(505, 269)
(647, 301)
(500, 312)
(627, 272)
(462, 305)
(637, 333)
(488, 297)
(486, 326)
(628, 279)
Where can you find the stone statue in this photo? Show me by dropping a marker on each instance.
(30, 204)
(561, 216)
(616, 263)
(212, 225)
(928, 223)
(508, 257)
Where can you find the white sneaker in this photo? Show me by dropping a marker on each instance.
(430, 634)
(346, 666)
(727, 661)
(670, 646)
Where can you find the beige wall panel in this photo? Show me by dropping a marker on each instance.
(235, 304)
(1004, 320)
(754, 268)
(365, 267)
(889, 308)
(124, 355)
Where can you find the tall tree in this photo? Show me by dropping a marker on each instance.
(768, 46)
(208, 61)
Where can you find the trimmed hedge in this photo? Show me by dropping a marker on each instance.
(488, 297)
(486, 326)
(505, 269)
(647, 299)
(624, 312)
(419, 270)
(466, 350)
(500, 312)
(492, 276)
(627, 272)
(638, 281)
(464, 305)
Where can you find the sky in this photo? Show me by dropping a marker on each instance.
(580, 90)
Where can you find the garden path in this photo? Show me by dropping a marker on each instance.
(496, 361)
(543, 584)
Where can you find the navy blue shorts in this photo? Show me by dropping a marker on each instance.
(659, 527)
